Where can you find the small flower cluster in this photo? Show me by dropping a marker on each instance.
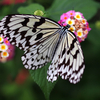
(78, 24)
(6, 49)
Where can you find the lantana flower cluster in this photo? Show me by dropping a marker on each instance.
(78, 24)
(6, 49)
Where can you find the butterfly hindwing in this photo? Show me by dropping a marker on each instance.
(68, 61)
(41, 53)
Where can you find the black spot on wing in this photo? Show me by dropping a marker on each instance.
(23, 33)
(16, 32)
(1, 32)
(63, 52)
(32, 54)
(7, 35)
(39, 36)
(24, 23)
(75, 56)
(70, 66)
(64, 63)
(41, 21)
(71, 46)
(33, 30)
(32, 59)
(13, 40)
(7, 22)
(81, 66)
(23, 37)
(20, 45)
(27, 39)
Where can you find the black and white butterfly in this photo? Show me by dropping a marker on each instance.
(44, 40)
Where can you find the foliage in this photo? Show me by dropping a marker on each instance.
(87, 88)
(39, 76)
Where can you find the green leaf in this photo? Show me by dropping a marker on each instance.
(87, 7)
(91, 45)
(94, 35)
(9, 89)
(27, 94)
(39, 76)
(30, 9)
(1, 17)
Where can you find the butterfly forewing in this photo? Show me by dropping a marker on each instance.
(44, 40)
(25, 30)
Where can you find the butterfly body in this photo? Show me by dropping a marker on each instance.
(44, 40)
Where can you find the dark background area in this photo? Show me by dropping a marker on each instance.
(16, 82)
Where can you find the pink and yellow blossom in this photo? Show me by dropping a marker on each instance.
(71, 13)
(6, 50)
(6, 41)
(78, 24)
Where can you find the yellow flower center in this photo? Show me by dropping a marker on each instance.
(3, 47)
(71, 13)
(4, 53)
(79, 34)
(65, 17)
(77, 16)
(70, 22)
(83, 21)
(71, 29)
(1, 39)
(6, 41)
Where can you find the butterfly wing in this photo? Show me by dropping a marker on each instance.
(25, 30)
(68, 61)
(40, 53)
(37, 36)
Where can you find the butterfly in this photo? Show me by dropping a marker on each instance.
(44, 40)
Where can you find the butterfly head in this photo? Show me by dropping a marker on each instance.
(67, 26)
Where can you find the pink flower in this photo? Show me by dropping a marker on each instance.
(71, 13)
(6, 41)
(64, 17)
(80, 14)
(11, 51)
(78, 24)
(6, 50)
(60, 22)
(87, 26)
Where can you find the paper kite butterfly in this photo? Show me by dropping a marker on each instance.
(44, 40)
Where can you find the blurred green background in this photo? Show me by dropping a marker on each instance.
(16, 83)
